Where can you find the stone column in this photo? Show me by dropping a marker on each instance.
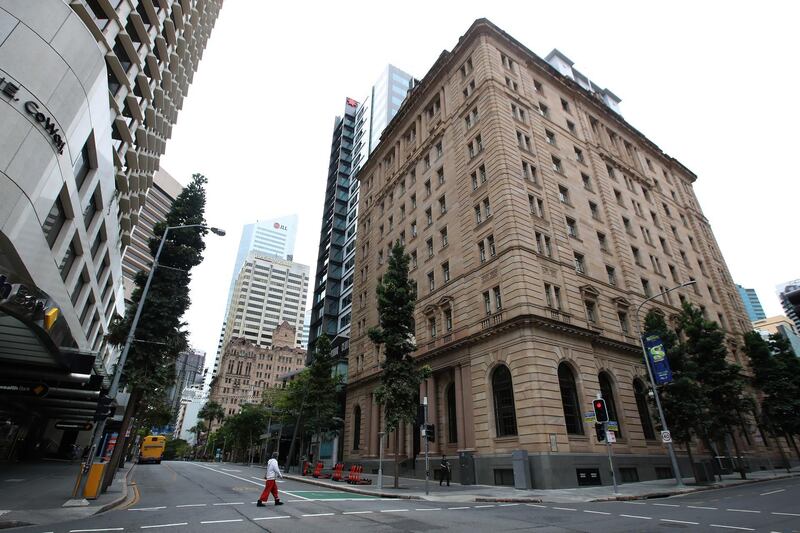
(469, 424)
(374, 427)
(459, 407)
(433, 414)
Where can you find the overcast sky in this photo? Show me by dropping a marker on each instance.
(713, 84)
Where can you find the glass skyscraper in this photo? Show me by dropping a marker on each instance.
(752, 305)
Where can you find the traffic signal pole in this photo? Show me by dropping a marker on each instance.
(425, 435)
(608, 444)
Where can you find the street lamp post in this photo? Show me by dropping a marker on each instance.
(130, 338)
(671, 450)
(380, 459)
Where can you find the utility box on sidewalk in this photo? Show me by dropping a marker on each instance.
(466, 468)
(94, 481)
(522, 473)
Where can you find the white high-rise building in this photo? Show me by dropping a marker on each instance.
(268, 291)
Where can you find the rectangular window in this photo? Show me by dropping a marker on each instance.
(544, 110)
(490, 244)
(550, 137)
(487, 210)
(414, 259)
(612, 275)
(413, 201)
(587, 182)
(565, 105)
(482, 251)
(572, 227)
(443, 235)
(54, 222)
(432, 326)
(594, 210)
(446, 271)
(557, 167)
(448, 320)
(442, 205)
(571, 127)
(487, 303)
(563, 194)
(431, 282)
(528, 171)
(469, 89)
(478, 216)
(498, 302)
(68, 261)
(511, 84)
(429, 216)
(81, 167)
(580, 263)
(429, 246)
(646, 287)
(427, 188)
(591, 311)
(637, 258)
(601, 240)
(440, 176)
(623, 321)
(524, 141)
(439, 149)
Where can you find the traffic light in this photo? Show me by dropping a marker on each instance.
(430, 432)
(600, 430)
(600, 411)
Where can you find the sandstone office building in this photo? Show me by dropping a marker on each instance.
(537, 220)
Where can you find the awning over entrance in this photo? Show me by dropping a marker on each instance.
(41, 372)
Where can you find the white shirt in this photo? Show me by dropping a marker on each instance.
(273, 471)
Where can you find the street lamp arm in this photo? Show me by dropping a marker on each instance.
(662, 293)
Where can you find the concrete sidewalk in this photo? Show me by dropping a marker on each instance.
(34, 493)
(415, 489)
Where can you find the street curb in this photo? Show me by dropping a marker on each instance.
(110, 505)
(348, 488)
(689, 490)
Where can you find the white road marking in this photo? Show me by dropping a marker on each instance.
(221, 521)
(742, 511)
(271, 517)
(635, 503)
(230, 470)
(508, 504)
(358, 512)
(426, 509)
(535, 505)
(733, 527)
(245, 479)
(786, 514)
(666, 505)
(701, 507)
(395, 510)
(564, 508)
(167, 525)
(318, 514)
(148, 508)
(259, 478)
(634, 516)
(772, 492)
(229, 503)
(595, 512)
(679, 521)
(456, 508)
(14, 480)
(101, 529)
(483, 506)
(192, 505)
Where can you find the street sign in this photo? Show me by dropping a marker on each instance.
(80, 426)
(666, 438)
(613, 425)
(611, 437)
(589, 417)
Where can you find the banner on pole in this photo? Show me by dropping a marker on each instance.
(657, 357)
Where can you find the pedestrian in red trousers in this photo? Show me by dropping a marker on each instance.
(273, 473)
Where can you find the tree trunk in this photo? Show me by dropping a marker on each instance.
(739, 458)
(691, 459)
(111, 469)
(790, 440)
(714, 454)
(397, 458)
(784, 459)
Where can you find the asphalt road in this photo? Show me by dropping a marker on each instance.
(209, 498)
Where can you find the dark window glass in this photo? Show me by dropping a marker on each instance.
(54, 222)
(81, 167)
(81, 283)
(143, 13)
(91, 210)
(640, 392)
(607, 390)
(122, 55)
(357, 428)
(452, 424)
(569, 400)
(503, 392)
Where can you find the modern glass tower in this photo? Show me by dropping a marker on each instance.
(356, 133)
(752, 305)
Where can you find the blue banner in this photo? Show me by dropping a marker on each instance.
(657, 357)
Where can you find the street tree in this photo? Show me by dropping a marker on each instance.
(321, 413)
(398, 392)
(776, 373)
(161, 335)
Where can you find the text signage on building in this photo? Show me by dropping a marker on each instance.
(657, 357)
(9, 89)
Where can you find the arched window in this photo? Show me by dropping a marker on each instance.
(452, 424)
(607, 390)
(503, 391)
(640, 392)
(569, 400)
(357, 428)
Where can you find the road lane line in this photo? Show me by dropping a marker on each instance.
(317, 514)
(221, 521)
(772, 492)
(666, 505)
(508, 505)
(534, 505)
(733, 527)
(785, 514)
(247, 480)
(192, 505)
(457, 508)
(271, 517)
(635, 503)
(564, 508)
(742, 511)
(634, 516)
(427, 509)
(395, 510)
(167, 525)
(229, 503)
(679, 521)
(148, 508)
(358, 512)
(701, 507)
(101, 529)
(595, 512)
(483, 506)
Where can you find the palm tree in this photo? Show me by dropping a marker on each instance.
(197, 429)
(211, 412)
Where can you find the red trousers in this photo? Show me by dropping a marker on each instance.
(271, 488)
